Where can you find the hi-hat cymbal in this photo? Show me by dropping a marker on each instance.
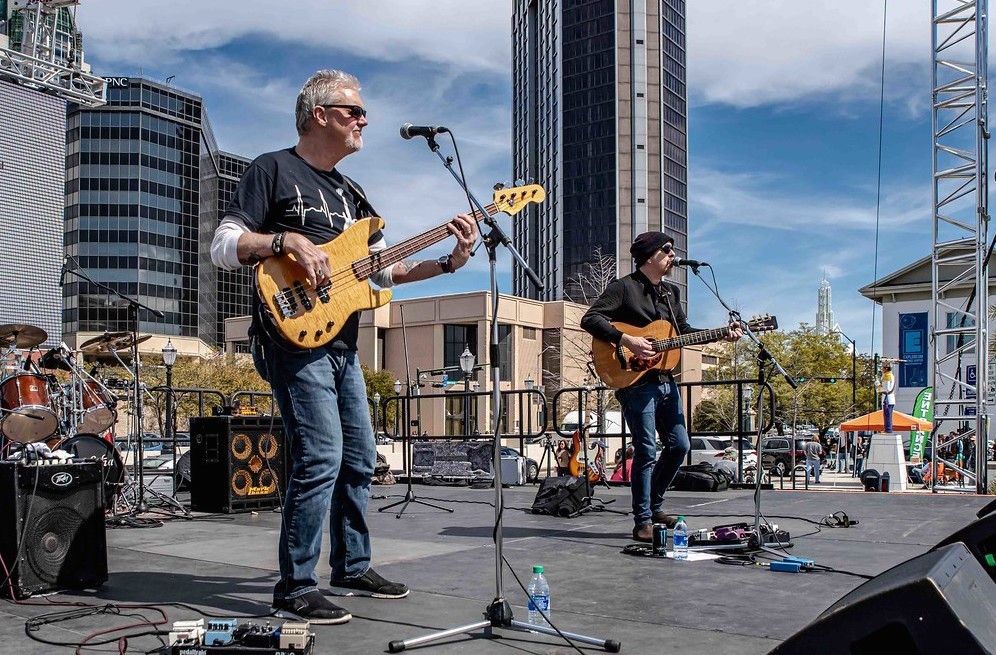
(111, 341)
(22, 335)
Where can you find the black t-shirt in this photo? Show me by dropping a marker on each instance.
(280, 192)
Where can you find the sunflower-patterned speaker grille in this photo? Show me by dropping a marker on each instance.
(256, 462)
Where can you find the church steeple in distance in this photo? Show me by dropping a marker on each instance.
(824, 311)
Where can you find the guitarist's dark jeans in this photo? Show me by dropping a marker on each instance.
(322, 399)
(650, 410)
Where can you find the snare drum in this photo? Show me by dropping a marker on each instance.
(98, 408)
(90, 446)
(27, 414)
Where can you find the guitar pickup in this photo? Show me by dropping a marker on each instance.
(303, 295)
(323, 294)
(285, 302)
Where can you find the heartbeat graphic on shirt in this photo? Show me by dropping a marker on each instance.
(302, 210)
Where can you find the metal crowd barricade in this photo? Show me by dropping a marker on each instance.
(582, 396)
(408, 416)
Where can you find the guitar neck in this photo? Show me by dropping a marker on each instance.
(367, 266)
(705, 336)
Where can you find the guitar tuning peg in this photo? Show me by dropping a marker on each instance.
(519, 182)
(499, 186)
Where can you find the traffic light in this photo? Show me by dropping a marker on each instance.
(829, 380)
(801, 379)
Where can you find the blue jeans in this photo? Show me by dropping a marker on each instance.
(652, 409)
(814, 466)
(323, 402)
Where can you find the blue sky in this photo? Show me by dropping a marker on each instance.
(784, 106)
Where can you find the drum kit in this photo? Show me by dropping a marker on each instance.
(50, 402)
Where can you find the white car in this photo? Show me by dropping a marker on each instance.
(713, 449)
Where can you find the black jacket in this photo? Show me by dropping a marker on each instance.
(635, 300)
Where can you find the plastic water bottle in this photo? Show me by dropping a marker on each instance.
(539, 597)
(680, 539)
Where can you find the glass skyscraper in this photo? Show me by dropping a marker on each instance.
(600, 119)
(144, 184)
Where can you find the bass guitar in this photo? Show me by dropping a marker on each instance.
(618, 367)
(309, 316)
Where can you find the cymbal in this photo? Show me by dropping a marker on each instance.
(56, 358)
(110, 341)
(22, 335)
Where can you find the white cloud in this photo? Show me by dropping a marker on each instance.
(459, 35)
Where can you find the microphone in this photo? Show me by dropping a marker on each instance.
(694, 263)
(62, 276)
(409, 131)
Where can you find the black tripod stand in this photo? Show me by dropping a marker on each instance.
(498, 613)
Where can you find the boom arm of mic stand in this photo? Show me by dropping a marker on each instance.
(496, 235)
(127, 299)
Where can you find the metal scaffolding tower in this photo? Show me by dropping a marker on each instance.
(960, 272)
(40, 47)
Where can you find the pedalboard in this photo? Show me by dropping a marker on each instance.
(240, 637)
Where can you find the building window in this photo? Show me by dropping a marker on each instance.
(505, 353)
(954, 320)
(529, 333)
(455, 339)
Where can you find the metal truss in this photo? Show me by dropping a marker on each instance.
(960, 272)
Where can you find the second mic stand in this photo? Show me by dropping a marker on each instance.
(498, 613)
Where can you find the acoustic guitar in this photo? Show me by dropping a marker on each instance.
(618, 367)
(309, 316)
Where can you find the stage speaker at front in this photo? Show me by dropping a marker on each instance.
(52, 527)
(939, 602)
(237, 463)
(980, 539)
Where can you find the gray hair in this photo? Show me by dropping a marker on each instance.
(321, 89)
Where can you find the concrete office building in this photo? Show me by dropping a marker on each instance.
(146, 182)
(600, 119)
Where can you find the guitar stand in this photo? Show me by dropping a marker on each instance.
(588, 503)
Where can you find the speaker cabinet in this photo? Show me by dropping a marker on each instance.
(980, 539)
(52, 527)
(237, 463)
(939, 602)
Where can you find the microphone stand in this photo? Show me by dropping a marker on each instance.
(140, 506)
(498, 614)
(764, 358)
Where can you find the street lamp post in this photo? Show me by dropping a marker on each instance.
(529, 404)
(169, 358)
(854, 370)
(467, 366)
(398, 413)
(376, 400)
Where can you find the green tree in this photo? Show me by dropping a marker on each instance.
(382, 382)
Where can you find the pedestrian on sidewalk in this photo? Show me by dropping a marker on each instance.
(859, 458)
(841, 464)
(814, 450)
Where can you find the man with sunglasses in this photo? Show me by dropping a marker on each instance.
(652, 406)
(290, 201)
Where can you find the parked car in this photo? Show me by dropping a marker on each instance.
(711, 449)
(778, 456)
(532, 466)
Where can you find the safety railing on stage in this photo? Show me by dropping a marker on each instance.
(412, 418)
(580, 398)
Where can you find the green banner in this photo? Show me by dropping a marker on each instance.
(923, 407)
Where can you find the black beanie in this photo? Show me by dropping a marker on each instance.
(645, 245)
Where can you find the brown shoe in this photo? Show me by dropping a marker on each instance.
(666, 519)
(644, 533)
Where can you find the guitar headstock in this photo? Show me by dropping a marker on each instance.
(765, 323)
(514, 199)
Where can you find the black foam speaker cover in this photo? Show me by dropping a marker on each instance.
(939, 602)
(980, 538)
(52, 533)
(453, 459)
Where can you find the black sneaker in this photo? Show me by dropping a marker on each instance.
(313, 607)
(370, 584)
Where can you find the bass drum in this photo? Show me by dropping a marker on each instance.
(92, 447)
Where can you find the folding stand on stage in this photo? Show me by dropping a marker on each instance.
(499, 613)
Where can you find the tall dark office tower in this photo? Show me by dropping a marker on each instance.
(600, 119)
(144, 183)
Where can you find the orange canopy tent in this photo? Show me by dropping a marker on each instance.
(875, 422)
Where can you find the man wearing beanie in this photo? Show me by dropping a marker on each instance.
(652, 405)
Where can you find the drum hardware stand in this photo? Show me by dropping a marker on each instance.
(140, 506)
(498, 613)
(764, 359)
(405, 440)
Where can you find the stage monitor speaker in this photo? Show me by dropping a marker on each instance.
(980, 539)
(237, 463)
(52, 527)
(939, 602)
(453, 459)
(988, 509)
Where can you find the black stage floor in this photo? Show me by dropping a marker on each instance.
(226, 566)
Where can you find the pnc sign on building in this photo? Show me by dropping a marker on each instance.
(118, 82)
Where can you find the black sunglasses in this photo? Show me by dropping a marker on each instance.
(355, 111)
(666, 248)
